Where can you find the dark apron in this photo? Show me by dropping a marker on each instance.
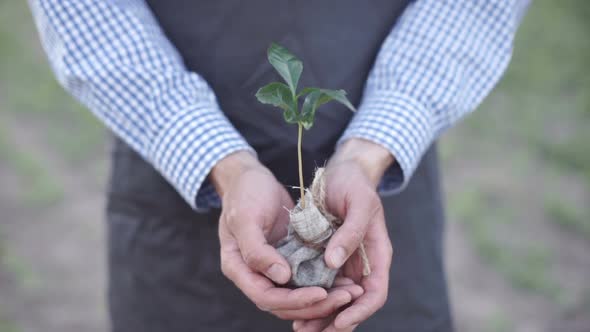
(164, 270)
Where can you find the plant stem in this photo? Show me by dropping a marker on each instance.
(301, 187)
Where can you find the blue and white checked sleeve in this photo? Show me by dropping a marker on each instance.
(114, 58)
(438, 63)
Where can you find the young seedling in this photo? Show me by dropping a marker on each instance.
(286, 97)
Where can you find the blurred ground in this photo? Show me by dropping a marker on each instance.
(517, 174)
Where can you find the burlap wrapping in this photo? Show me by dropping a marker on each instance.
(310, 228)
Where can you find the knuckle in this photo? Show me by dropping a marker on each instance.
(332, 308)
(356, 236)
(259, 301)
(226, 269)
(251, 258)
(283, 315)
(231, 215)
(264, 308)
(382, 300)
(304, 303)
(390, 251)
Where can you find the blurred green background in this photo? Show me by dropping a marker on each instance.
(517, 174)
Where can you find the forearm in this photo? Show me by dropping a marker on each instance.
(113, 57)
(438, 63)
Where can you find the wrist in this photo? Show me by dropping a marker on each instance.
(229, 168)
(371, 157)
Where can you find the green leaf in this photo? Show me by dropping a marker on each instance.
(310, 105)
(279, 95)
(329, 95)
(286, 64)
(291, 116)
(317, 97)
(276, 94)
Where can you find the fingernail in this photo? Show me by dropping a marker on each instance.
(277, 272)
(297, 324)
(338, 256)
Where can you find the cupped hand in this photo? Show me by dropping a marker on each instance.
(351, 179)
(254, 216)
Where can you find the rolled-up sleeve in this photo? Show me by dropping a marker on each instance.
(113, 57)
(439, 62)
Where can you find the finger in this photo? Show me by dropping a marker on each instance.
(363, 207)
(280, 227)
(339, 283)
(322, 324)
(257, 253)
(286, 200)
(376, 284)
(262, 291)
(335, 300)
(314, 325)
(354, 290)
(332, 328)
(337, 297)
(297, 324)
(342, 281)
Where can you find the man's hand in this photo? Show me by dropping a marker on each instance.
(254, 216)
(352, 176)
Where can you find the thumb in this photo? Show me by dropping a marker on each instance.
(362, 208)
(259, 255)
(280, 228)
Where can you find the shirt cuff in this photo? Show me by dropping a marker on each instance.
(399, 123)
(188, 147)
